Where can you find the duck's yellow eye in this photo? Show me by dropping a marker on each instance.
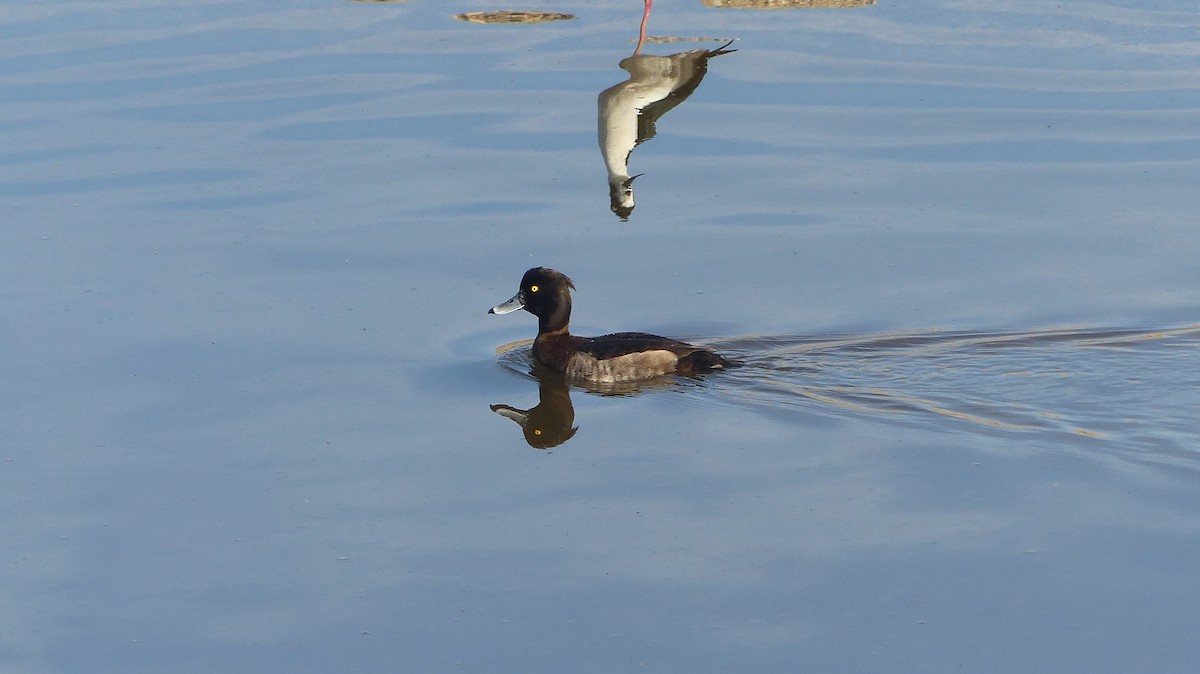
(533, 289)
(537, 431)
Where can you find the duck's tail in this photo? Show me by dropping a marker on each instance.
(704, 361)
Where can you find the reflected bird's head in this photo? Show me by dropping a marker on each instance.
(620, 196)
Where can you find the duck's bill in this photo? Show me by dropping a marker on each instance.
(508, 307)
(508, 412)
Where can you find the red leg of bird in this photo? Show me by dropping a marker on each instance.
(642, 30)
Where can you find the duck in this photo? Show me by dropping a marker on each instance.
(618, 357)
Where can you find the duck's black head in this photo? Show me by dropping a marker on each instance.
(545, 293)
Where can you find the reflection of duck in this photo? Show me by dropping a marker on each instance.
(623, 356)
(551, 422)
(628, 111)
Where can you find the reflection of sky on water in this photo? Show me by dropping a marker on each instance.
(248, 367)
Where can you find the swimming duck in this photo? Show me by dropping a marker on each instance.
(622, 356)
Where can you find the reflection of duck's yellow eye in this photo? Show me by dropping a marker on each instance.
(533, 289)
(537, 431)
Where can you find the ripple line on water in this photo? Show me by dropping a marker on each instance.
(1132, 388)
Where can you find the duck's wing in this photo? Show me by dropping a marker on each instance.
(624, 343)
(627, 356)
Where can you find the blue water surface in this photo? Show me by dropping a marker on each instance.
(249, 382)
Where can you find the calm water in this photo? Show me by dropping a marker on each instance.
(257, 419)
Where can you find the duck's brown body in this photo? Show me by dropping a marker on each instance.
(619, 357)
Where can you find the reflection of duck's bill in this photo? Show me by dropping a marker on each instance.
(508, 307)
(508, 412)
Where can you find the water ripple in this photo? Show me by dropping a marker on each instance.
(1135, 390)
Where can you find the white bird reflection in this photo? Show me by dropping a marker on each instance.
(627, 112)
